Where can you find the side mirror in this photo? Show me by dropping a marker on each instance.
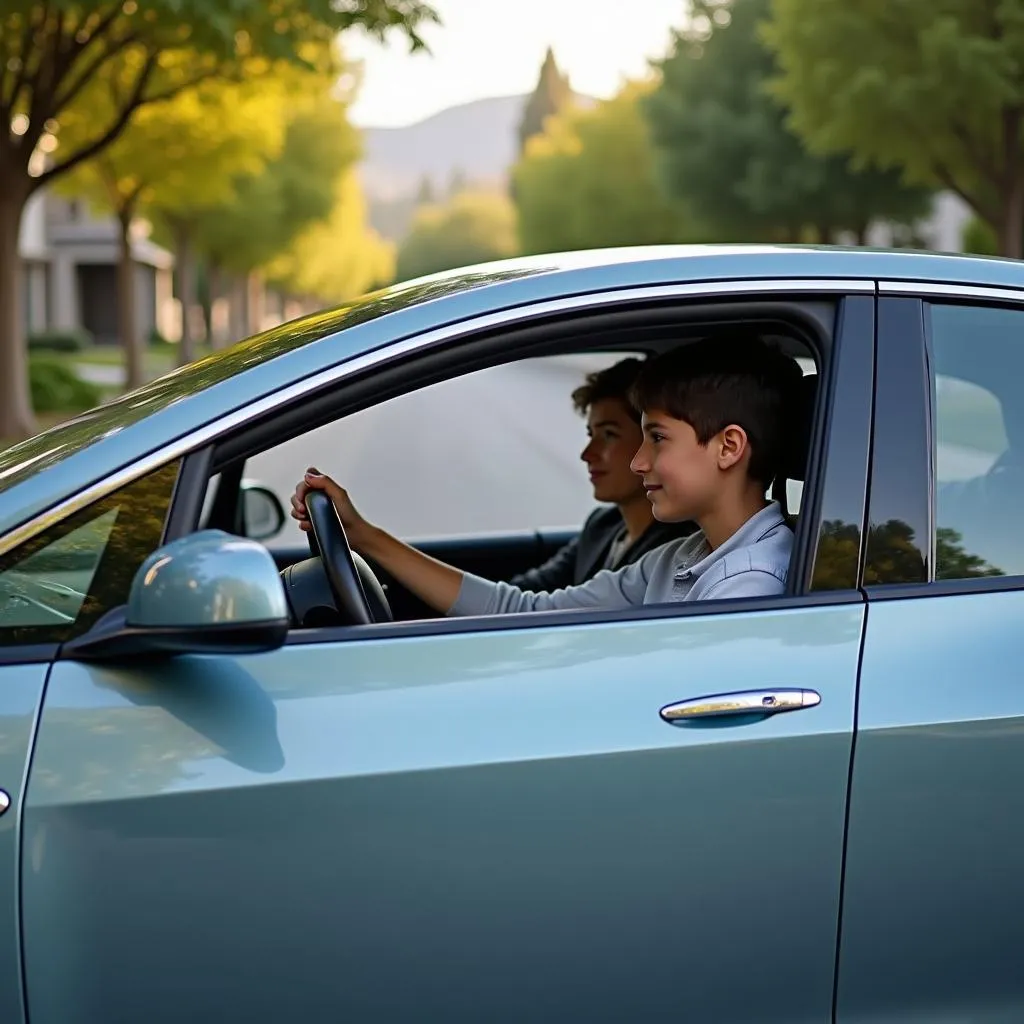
(207, 593)
(262, 512)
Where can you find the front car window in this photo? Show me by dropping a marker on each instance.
(977, 358)
(58, 584)
(489, 452)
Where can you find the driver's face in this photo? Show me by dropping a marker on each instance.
(614, 439)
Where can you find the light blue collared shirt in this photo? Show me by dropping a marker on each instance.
(753, 562)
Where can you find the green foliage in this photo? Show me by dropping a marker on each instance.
(474, 227)
(56, 387)
(551, 96)
(60, 340)
(589, 181)
(156, 49)
(952, 562)
(339, 257)
(726, 152)
(978, 237)
(268, 210)
(179, 155)
(931, 87)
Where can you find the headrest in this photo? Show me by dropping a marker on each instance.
(798, 434)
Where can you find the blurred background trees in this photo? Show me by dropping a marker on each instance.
(218, 140)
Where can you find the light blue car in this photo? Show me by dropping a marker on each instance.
(237, 787)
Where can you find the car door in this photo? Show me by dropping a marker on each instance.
(63, 576)
(933, 921)
(22, 678)
(465, 821)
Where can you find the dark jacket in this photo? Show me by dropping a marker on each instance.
(584, 556)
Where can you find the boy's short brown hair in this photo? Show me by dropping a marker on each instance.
(729, 378)
(611, 382)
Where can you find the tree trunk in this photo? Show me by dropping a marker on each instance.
(255, 301)
(127, 325)
(17, 420)
(215, 286)
(238, 325)
(185, 272)
(862, 234)
(1011, 229)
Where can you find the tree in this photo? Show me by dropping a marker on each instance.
(941, 96)
(192, 146)
(550, 96)
(979, 238)
(50, 52)
(475, 227)
(338, 258)
(726, 153)
(589, 181)
(269, 210)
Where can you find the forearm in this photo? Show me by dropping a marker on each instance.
(430, 580)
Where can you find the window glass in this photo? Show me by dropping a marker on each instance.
(58, 584)
(978, 396)
(494, 451)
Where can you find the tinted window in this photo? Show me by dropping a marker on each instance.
(56, 585)
(978, 396)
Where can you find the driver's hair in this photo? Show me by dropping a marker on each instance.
(612, 382)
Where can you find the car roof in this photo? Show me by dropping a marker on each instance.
(39, 473)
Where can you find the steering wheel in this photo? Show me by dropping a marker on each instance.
(328, 535)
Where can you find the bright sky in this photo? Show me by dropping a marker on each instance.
(495, 47)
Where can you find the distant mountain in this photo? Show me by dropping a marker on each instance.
(476, 142)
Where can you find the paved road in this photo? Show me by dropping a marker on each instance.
(496, 450)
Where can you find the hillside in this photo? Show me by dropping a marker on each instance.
(477, 139)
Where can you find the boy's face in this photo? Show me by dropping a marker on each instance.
(614, 438)
(682, 477)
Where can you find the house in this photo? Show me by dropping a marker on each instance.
(69, 260)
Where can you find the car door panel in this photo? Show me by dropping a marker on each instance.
(933, 907)
(21, 691)
(470, 826)
(933, 919)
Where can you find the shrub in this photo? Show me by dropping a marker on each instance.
(978, 237)
(60, 341)
(57, 388)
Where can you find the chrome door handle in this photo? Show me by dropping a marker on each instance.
(748, 702)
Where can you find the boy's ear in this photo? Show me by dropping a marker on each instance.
(732, 444)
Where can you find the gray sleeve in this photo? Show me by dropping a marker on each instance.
(620, 588)
(753, 583)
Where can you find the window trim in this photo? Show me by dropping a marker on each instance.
(476, 624)
(938, 290)
(214, 430)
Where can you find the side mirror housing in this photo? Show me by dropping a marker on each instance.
(207, 593)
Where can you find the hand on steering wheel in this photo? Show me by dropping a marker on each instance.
(315, 505)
